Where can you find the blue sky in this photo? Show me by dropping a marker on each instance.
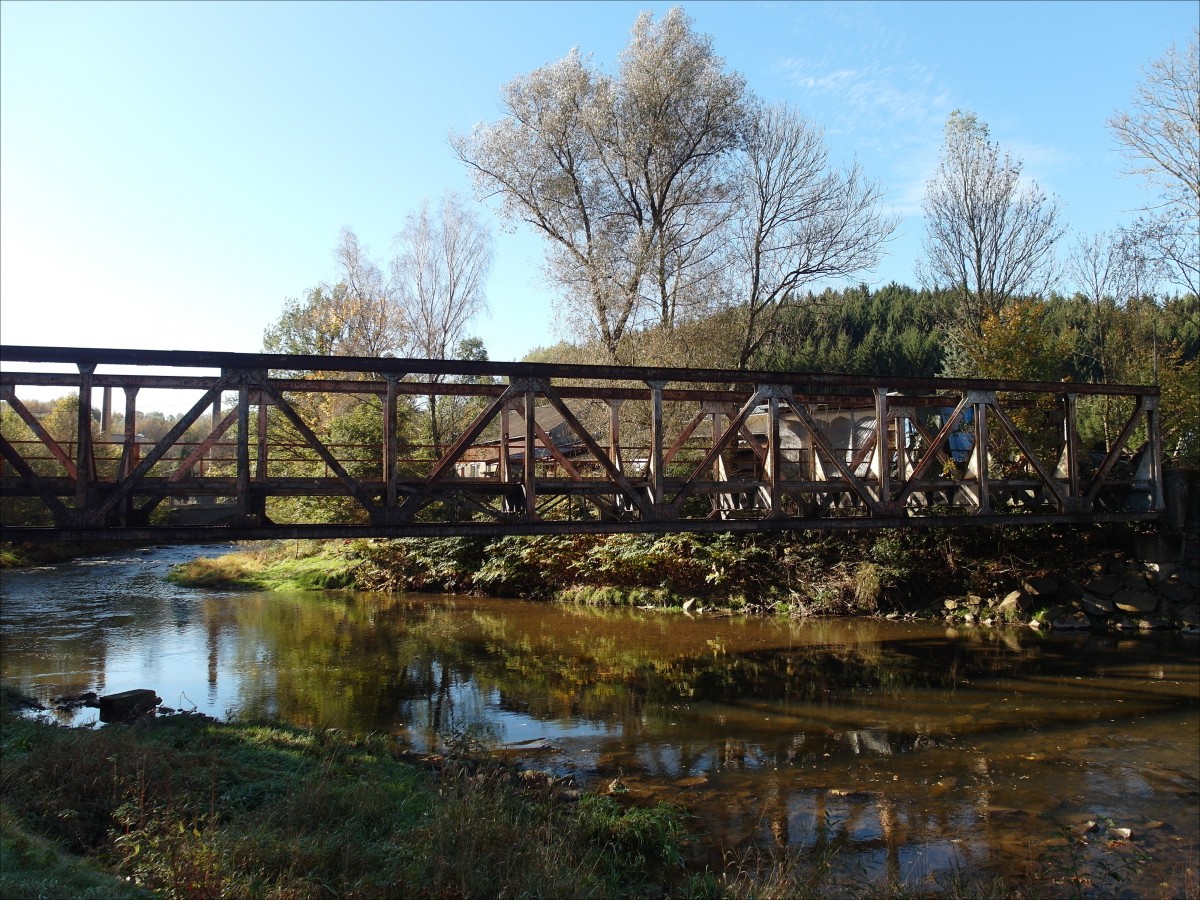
(170, 173)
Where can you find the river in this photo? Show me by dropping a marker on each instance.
(896, 748)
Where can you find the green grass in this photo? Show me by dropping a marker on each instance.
(184, 808)
(33, 867)
(272, 569)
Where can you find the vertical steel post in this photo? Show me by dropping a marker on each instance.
(722, 503)
(243, 451)
(507, 503)
(260, 462)
(614, 434)
(883, 455)
(505, 433)
(85, 458)
(129, 451)
(215, 421)
(773, 466)
(390, 443)
(1071, 450)
(979, 405)
(656, 443)
(1154, 434)
(530, 456)
(259, 503)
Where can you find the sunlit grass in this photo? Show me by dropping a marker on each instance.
(273, 569)
(181, 807)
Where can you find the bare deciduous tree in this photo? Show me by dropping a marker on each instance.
(1161, 138)
(989, 234)
(422, 306)
(359, 315)
(541, 161)
(673, 128)
(441, 261)
(797, 220)
(666, 193)
(1105, 276)
(626, 176)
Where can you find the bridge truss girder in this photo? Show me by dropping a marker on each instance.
(635, 450)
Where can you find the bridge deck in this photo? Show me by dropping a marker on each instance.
(299, 446)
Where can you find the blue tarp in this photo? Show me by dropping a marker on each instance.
(962, 438)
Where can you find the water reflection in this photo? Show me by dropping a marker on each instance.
(892, 747)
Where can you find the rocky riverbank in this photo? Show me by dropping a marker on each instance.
(1123, 592)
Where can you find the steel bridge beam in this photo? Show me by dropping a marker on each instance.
(599, 449)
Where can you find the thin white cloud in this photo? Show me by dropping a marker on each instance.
(1040, 161)
(869, 99)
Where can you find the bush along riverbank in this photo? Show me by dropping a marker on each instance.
(1044, 576)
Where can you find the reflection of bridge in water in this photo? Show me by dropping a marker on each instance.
(283, 447)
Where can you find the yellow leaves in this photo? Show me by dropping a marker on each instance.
(1018, 344)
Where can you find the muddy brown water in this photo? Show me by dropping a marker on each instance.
(884, 748)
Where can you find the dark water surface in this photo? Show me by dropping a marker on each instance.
(896, 748)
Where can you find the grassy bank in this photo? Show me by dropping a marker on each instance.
(183, 807)
(296, 565)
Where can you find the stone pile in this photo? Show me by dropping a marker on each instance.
(1119, 593)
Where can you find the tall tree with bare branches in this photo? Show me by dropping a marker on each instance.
(625, 176)
(990, 235)
(666, 192)
(1105, 276)
(358, 315)
(439, 269)
(796, 220)
(1160, 135)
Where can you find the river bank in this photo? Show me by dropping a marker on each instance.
(1044, 577)
(813, 756)
(184, 806)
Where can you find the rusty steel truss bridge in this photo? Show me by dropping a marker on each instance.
(273, 446)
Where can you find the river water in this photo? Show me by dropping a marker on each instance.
(887, 748)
